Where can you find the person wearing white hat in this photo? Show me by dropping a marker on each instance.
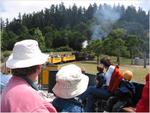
(70, 84)
(20, 94)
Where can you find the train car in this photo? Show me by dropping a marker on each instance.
(72, 58)
(56, 60)
(68, 58)
(50, 59)
(60, 59)
(48, 74)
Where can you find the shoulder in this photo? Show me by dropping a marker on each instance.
(72, 108)
(67, 105)
(127, 84)
(46, 108)
(23, 96)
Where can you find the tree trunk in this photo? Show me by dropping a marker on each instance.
(144, 59)
(132, 58)
(118, 60)
(98, 59)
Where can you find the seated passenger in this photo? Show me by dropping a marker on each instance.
(70, 84)
(143, 103)
(122, 97)
(100, 77)
(113, 78)
(20, 94)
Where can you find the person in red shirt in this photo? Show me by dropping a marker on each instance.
(143, 103)
(113, 78)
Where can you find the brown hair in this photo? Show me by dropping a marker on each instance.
(100, 69)
(24, 71)
(106, 61)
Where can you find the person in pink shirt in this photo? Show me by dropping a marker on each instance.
(20, 94)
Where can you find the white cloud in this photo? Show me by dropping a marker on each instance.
(11, 8)
(145, 4)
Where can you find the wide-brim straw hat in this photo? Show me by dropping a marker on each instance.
(26, 53)
(70, 82)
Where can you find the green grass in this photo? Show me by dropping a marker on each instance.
(90, 66)
(138, 71)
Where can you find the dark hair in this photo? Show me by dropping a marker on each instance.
(100, 69)
(24, 71)
(106, 61)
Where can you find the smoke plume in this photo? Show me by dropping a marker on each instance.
(84, 44)
(105, 17)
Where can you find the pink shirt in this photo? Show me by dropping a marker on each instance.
(19, 96)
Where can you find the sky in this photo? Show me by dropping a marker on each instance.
(11, 8)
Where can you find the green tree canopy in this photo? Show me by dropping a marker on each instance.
(37, 35)
(114, 44)
(96, 47)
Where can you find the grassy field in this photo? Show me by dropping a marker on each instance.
(90, 66)
(138, 71)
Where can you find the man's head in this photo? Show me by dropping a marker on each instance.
(106, 62)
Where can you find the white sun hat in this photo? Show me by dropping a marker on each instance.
(26, 53)
(70, 82)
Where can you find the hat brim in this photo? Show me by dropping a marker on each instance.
(14, 63)
(68, 93)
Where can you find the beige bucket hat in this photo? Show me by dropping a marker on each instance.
(70, 82)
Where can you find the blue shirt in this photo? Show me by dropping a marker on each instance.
(67, 105)
(4, 79)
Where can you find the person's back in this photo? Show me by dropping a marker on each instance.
(68, 105)
(19, 96)
(125, 90)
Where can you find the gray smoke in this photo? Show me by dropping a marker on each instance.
(105, 18)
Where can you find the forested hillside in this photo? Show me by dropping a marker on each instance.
(109, 30)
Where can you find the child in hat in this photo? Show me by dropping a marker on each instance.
(71, 82)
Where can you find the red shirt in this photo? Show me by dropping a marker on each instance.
(115, 80)
(143, 103)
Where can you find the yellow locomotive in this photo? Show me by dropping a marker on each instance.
(48, 74)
